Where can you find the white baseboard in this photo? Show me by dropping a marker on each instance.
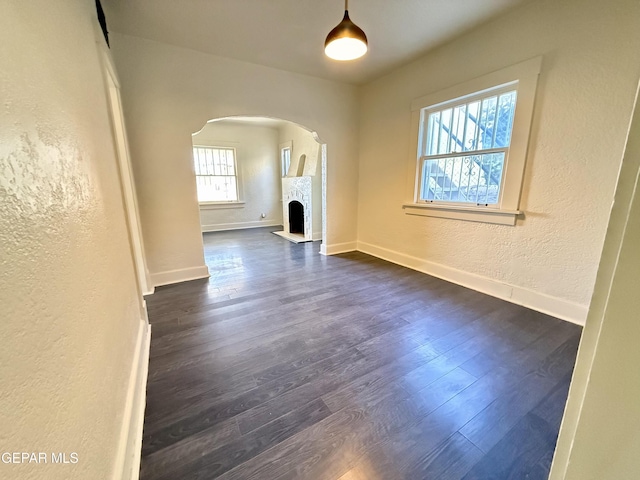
(150, 291)
(181, 275)
(127, 464)
(554, 306)
(337, 248)
(220, 227)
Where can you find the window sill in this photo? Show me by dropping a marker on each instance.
(459, 212)
(220, 205)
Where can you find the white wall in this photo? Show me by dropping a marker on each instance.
(170, 92)
(70, 307)
(585, 95)
(599, 435)
(304, 143)
(258, 163)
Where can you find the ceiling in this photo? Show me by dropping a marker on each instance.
(289, 34)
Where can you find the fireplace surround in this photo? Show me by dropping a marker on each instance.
(297, 203)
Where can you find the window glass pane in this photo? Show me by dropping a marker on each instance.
(471, 131)
(457, 129)
(206, 191)
(232, 190)
(231, 166)
(224, 162)
(428, 176)
(201, 166)
(216, 188)
(204, 170)
(486, 123)
(468, 179)
(285, 155)
(504, 122)
(432, 134)
(217, 170)
(445, 128)
(205, 156)
(196, 162)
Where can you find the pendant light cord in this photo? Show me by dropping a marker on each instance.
(346, 5)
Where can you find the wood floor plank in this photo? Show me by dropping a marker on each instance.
(551, 407)
(286, 364)
(228, 455)
(452, 415)
(369, 370)
(175, 456)
(376, 466)
(198, 414)
(450, 460)
(334, 446)
(518, 454)
(489, 427)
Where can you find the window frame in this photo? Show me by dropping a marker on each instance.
(524, 77)
(285, 146)
(220, 203)
(452, 105)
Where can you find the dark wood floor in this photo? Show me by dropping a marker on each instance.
(287, 364)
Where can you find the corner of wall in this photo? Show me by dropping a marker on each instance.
(337, 248)
(180, 275)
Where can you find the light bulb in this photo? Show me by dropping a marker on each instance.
(345, 48)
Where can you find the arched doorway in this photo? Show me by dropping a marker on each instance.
(249, 169)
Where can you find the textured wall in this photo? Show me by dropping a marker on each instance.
(590, 70)
(170, 92)
(604, 446)
(258, 164)
(70, 311)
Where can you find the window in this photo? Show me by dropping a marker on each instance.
(465, 149)
(216, 176)
(285, 157)
(471, 146)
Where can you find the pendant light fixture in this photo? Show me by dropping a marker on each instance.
(347, 41)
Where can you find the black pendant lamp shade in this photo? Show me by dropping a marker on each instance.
(346, 41)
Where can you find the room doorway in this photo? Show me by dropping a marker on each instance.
(253, 172)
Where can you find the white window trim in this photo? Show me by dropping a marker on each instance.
(239, 185)
(220, 205)
(459, 212)
(281, 147)
(525, 74)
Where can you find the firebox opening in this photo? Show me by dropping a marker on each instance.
(296, 217)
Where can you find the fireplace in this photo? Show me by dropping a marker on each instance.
(302, 199)
(296, 217)
(297, 209)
